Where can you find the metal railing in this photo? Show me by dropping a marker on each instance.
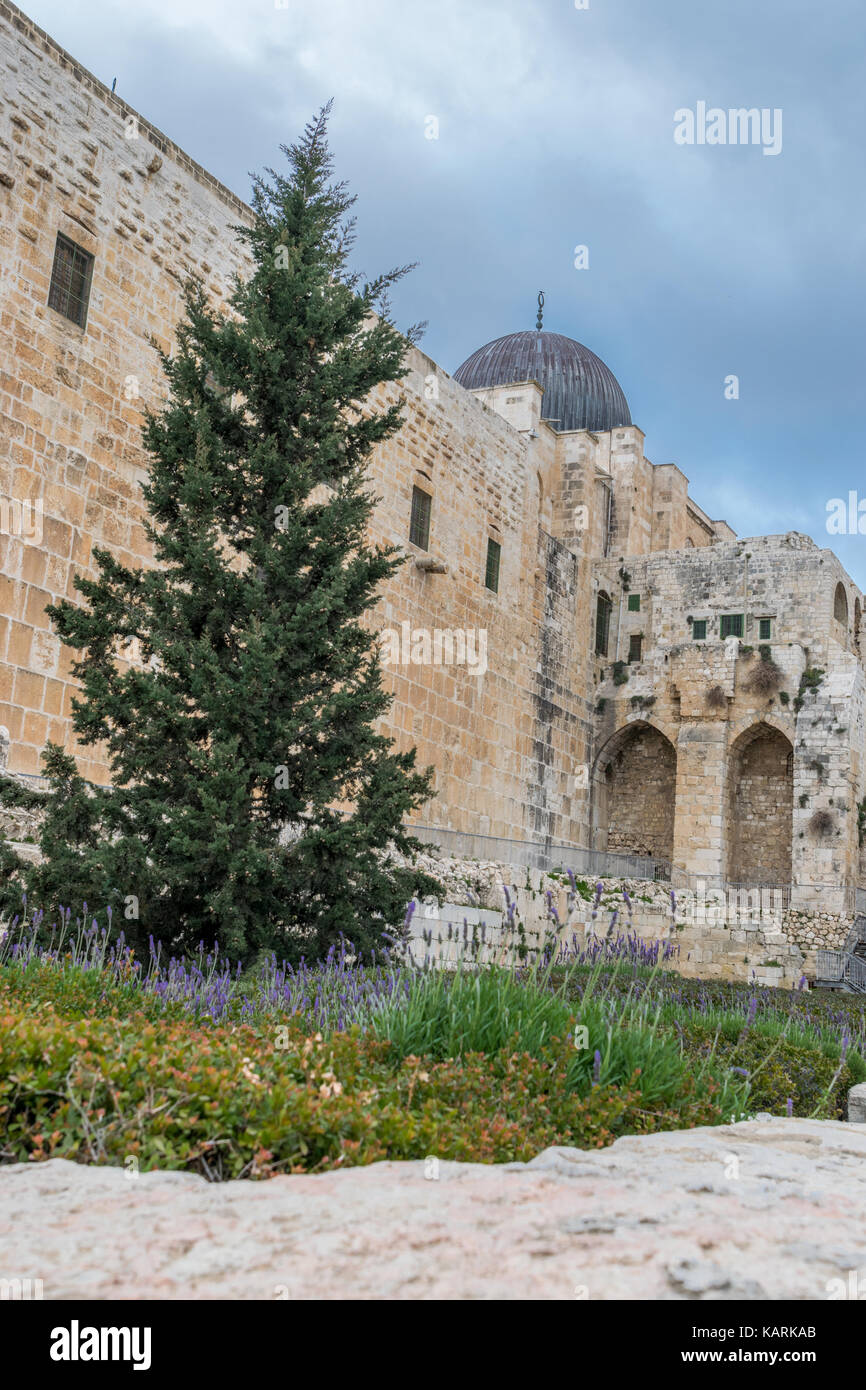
(830, 967)
(840, 968)
(540, 854)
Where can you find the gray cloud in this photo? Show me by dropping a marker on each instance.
(556, 128)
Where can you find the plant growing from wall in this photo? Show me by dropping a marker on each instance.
(620, 672)
(766, 677)
(253, 714)
(861, 822)
(810, 680)
(821, 823)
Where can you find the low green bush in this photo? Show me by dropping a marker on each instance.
(236, 1101)
(780, 1070)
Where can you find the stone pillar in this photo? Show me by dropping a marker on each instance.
(699, 824)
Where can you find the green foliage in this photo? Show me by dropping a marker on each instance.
(810, 680)
(780, 1069)
(486, 1066)
(620, 672)
(240, 1102)
(255, 706)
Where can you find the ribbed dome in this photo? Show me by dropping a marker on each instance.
(580, 392)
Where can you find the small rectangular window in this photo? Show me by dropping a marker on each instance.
(602, 624)
(634, 603)
(491, 577)
(419, 524)
(699, 630)
(635, 646)
(765, 629)
(731, 625)
(69, 291)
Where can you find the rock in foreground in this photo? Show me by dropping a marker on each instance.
(765, 1209)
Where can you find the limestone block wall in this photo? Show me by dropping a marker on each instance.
(504, 741)
(639, 789)
(761, 792)
(71, 400)
(768, 771)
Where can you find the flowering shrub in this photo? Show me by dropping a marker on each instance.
(234, 1101)
(195, 1065)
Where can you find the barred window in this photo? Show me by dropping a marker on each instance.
(699, 630)
(602, 624)
(71, 274)
(635, 647)
(491, 577)
(419, 523)
(765, 629)
(731, 625)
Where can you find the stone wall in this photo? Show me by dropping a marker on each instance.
(71, 400)
(640, 787)
(761, 807)
(521, 738)
(706, 697)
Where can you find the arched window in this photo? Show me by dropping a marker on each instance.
(840, 605)
(602, 624)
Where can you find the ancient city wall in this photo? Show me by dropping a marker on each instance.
(71, 401)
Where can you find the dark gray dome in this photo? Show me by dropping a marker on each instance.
(580, 392)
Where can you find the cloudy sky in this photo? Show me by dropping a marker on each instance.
(556, 130)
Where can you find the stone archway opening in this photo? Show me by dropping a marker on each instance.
(760, 807)
(635, 790)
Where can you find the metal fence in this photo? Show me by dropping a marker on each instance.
(541, 854)
(830, 967)
(840, 968)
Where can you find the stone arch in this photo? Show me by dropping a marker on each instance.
(634, 792)
(760, 806)
(840, 605)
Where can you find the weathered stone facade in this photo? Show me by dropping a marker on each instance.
(654, 736)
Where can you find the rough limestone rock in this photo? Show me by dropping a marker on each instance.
(857, 1104)
(761, 1210)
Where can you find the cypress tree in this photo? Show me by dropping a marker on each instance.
(252, 800)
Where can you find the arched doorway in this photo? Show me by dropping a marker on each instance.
(635, 793)
(760, 807)
(840, 605)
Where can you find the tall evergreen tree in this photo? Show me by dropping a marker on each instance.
(250, 718)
